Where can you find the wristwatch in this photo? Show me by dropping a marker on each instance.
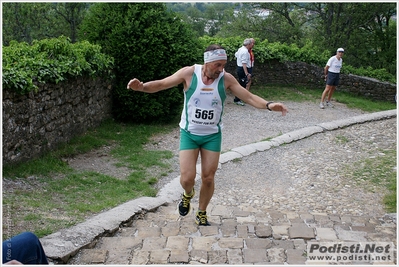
(267, 105)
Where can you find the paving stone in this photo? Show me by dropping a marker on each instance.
(367, 229)
(203, 243)
(120, 243)
(228, 228)
(144, 232)
(188, 228)
(275, 213)
(264, 219)
(249, 207)
(128, 231)
(178, 256)
(346, 219)
(140, 257)
(276, 255)
(255, 256)
(351, 235)
(335, 218)
(234, 256)
(251, 229)
(209, 230)
(242, 231)
(172, 224)
(385, 230)
(295, 256)
(291, 215)
(170, 231)
(157, 220)
(320, 217)
(199, 256)
(247, 219)
(296, 220)
(93, 256)
(301, 230)
(300, 244)
(308, 218)
(231, 243)
(159, 256)
(238, 212)
(217, 257)
(359, 220)
(344, 226)
(284, 244)
(254, 243)
(222, 211)
(280, 229)
(381, 237)
(326, 234)
(154, 243)
(177, 243)
(263, 231)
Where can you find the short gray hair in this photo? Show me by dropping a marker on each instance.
(247, 41)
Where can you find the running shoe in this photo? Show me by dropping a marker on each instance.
(201, 219)
(329, 104)
(184, 205)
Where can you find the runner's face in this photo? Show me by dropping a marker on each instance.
(213, 69)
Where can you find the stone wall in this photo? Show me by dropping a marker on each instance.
(303, 74)
(38, 122)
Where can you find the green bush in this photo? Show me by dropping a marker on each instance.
(50, 61)
(148, 43)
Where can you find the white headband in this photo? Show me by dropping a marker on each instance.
(218, 54)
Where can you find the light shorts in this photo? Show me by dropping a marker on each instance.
(332, 78)
(212, 142)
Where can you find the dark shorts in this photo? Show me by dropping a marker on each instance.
(332, 79)
(242, 78)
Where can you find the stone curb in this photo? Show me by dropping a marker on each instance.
(62, 245)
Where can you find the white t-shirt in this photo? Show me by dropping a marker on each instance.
(334, 64)
(243, 56)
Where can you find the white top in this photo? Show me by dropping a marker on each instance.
(334, 64)
(243, 57)
(203, 105)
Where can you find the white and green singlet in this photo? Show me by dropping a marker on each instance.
(203, 105)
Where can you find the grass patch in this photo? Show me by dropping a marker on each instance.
(379, 172)
(48, 195)
(304, 94)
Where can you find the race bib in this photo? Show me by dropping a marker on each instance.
(203, 117)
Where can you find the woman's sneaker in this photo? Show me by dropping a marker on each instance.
(184, 205)
(201, 219)
(321, 105)
(329, 104)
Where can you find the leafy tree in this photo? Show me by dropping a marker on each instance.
(364, 29)
(147, 42)
(25, 22)
(73, 14)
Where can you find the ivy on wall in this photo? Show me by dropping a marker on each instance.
(51, 61)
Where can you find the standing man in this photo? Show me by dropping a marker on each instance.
(243, 65)
(201, 121)
(331, 75)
